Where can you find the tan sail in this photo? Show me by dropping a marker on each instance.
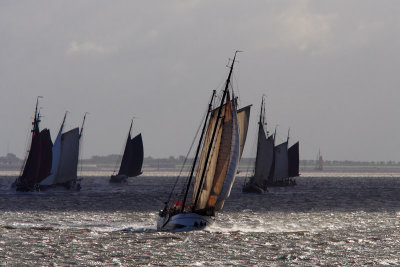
(243, 116)
(209, 175)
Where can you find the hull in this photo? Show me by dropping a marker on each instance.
(289, 182)
(70, 185)
(121, 178)
(252, 188)
(183, 222)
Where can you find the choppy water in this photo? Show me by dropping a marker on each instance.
(322, 221)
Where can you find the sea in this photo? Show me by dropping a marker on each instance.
(327, 219)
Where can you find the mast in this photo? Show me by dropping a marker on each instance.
(215, 130)
(198, 149)
(83, 123)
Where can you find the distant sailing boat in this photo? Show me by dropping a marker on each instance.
(286, 165)
(64, 166)
(319, 163)
(38, 162)
(221, 144)
(263, 168)
(132, 160)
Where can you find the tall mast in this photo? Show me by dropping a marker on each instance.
(83, 123)
(214, 131)
(198, 149)
(288, 132)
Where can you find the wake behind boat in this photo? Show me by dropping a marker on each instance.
(132, 159)
(220, 146)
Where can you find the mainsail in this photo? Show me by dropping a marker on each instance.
(293, 160)
(264, 158)
(243, 116)
(38, 162)
(132, 159)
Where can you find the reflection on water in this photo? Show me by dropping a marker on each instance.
(342, 219)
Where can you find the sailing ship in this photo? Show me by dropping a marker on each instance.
(286, 165)
(132, 159)
(220, 147)
(264, 163)
(37, 164)
(65, 156)
(319, 163)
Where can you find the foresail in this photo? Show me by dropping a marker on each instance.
(293, 156)
(243, 116)
(281, 162)
(32, 164)
(126, 157)
(69, 157)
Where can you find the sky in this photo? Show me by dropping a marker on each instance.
(329, 70)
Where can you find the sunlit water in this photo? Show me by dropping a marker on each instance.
(340, 220)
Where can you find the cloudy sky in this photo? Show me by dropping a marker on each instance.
(329, 69)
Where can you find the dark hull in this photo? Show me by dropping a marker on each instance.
(70, 185)
(289, 182)
(117, 179)
(252, 188)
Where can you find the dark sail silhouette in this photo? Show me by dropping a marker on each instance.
(293, 160)
(38, 162)
(264, 158)
(132, 159)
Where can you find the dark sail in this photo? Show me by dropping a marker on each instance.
(132, 160)
(32, 164)
(293, 160)
(45, 155)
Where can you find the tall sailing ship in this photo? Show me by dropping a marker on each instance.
(38, 162)
(132, 159)
(219, 149)
(263, 168)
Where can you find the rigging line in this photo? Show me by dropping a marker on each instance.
(187, 155)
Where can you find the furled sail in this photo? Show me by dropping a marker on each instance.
(281, 162)
(243, 116)
(293, 160)
(132, 160)
(264, 158)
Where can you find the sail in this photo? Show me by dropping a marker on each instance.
(209, 173)
(137, 158)
(234, 157)
(243, 116)
(132, 160)
(45, 155)
(56, 156)
(264, 158)
(281, 162)
(126, 157)
(293, 160)
(68, 167)
(32, 164)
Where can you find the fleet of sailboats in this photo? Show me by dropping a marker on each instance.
(212, 173)
(132, 159)
(275, 165)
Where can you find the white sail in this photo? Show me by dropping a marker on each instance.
(68, 166)
(56, 155)
(281, 171)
